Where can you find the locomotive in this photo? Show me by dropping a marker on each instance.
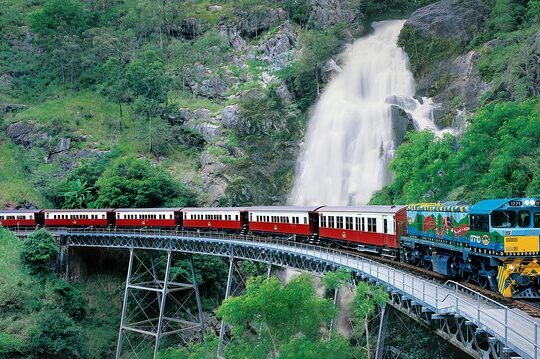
(494, 243)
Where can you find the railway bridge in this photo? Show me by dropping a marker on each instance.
(478, 325)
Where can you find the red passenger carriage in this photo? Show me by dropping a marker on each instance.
(368, 226)
(221, 218)
(286, 220)
(19, 218)
(147, 217)
(78, 217)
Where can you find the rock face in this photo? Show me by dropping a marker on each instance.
(462, 81)
(326, 13)
(204, 82)
(254, 22)
(457, 19)
(233, 35)
(212, 176)
(277, 49)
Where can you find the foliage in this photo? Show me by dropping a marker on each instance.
(67, 298)
(39, 251)
(424, 52)
(495, 158)
(375, 9)
(55, 335)
(304, 76)
(333, 280)
(270, 315)
(131, 182)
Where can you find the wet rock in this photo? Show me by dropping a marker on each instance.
(329, 70)
(459, 20)
(455, 80)
(277, 49)
(326, 13)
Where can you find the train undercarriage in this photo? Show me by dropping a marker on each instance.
(513, 277)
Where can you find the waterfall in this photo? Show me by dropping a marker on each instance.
(349, 140)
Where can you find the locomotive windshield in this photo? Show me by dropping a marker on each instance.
(524, 218)
(537, 220)
(503, 219)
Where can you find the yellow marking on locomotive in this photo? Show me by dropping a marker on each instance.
(521, 267)
(521, 244)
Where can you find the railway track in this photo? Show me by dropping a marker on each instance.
(532, 308)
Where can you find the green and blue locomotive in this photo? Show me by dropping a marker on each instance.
(494, 243)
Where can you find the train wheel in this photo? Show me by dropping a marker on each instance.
(428, 265)
(467, 277)
(483, 282)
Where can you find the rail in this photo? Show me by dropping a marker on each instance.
(514, 330)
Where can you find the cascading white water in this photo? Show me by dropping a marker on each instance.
(349, 140)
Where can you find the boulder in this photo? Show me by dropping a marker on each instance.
(64, 144)
(326, 13)
(230, 116)
(329, 70)
(214, 8)
(213, 87)
(19, 132)
(459, 20)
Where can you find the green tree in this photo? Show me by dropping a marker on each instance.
(55, 336)
(131, 182)
(39, 251)
(269, 315)
(59, 18)
(78, 194)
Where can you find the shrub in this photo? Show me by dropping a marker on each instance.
(39, 251)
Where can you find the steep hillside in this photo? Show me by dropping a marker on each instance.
(480, 60)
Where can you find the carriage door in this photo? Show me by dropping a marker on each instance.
(386, 237)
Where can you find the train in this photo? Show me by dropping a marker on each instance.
(493, 243)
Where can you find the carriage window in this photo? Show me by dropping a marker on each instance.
(503, 219)
(339, 221)
(357, 223)
(524, 218)
(331, 221)
(385, 225)
(536, 221)
(323, 221)
(372, 224)
(363, 221)
(20, 217)
(348, 223)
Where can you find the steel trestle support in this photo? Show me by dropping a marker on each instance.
(155, 305)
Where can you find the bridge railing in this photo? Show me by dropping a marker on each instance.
(484, 312)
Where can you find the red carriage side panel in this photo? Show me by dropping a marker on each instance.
(148, 222)
(18, 222)
(285, 228)
(368, 238)
(212, 224)
(76, 222)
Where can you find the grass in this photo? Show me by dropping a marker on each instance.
(13, 179)
(186, 100)
(17, 288)
(83, 113)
